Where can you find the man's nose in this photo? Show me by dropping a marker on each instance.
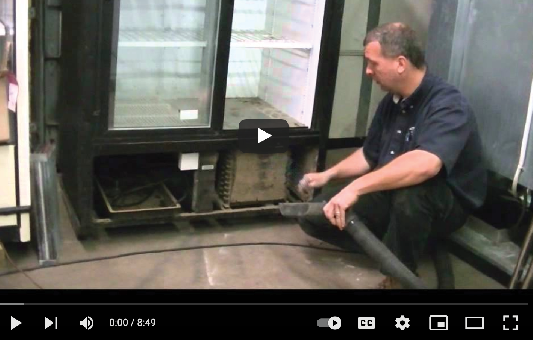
(369, 72)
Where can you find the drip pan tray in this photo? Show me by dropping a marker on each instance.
(139, 202)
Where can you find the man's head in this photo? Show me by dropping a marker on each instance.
(393, 54)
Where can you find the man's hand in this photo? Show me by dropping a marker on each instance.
(314, 180)
(335, 209)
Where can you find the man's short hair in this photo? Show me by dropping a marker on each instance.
(398, 39)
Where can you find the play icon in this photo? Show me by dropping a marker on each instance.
(263, 136)
(14, 323)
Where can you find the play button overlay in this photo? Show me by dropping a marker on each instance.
(263, 136)
(14, 323)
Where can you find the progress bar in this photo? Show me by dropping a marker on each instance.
(11, 304)
(281, 304)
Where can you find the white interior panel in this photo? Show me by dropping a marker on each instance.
(284, 81)
(157, 15)
(159, 74)
(8, 198)
(25, 231)
(275, 54)
(314, 59)
(295, 19)
(244, 70)
(250, 15)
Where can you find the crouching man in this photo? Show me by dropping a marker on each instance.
(420, 171)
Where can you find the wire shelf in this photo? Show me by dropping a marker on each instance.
(177, 38)
(194, 38)
(262, 39)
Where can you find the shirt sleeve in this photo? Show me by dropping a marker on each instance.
(445, 132)
(372, 144)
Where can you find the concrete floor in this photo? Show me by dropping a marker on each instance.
(215, 257)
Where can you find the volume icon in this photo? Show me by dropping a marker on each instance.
(87, 322)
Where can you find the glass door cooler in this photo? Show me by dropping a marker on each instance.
(153, 93)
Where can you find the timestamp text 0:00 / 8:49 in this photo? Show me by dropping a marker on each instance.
(131, 322)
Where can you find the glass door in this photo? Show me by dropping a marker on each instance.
(272, 71)
(163, 65)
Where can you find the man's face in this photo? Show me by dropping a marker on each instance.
(384, 71)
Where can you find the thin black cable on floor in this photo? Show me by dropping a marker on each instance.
(20, 270)
(113, 257)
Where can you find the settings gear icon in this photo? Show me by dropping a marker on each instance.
(402, 322)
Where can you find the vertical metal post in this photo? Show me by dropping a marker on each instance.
(365, 94)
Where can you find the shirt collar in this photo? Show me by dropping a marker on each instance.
(419, 93)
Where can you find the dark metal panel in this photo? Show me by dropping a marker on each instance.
(225, 24)
(53, 3)
(374, 11)
(208, 143)
(14, 210)
(52, 32)
(79, 65)
(45, 50)
(51, 91)
(37, 86)
(327, 71)
(460, 41)
(442, 29)
(496, 77)
(491, 62)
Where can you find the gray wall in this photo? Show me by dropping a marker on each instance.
(490, 55)
(350, 69)
(416, 13)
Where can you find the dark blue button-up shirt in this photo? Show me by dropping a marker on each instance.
(438, 119)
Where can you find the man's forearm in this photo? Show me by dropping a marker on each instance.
(407, 170)
(352, 166)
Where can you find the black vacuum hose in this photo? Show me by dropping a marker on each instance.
(443, 266)
(376, 249)
(381, 254)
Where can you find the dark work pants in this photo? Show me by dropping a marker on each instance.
(404, 219)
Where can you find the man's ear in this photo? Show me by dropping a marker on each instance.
(402, 64)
